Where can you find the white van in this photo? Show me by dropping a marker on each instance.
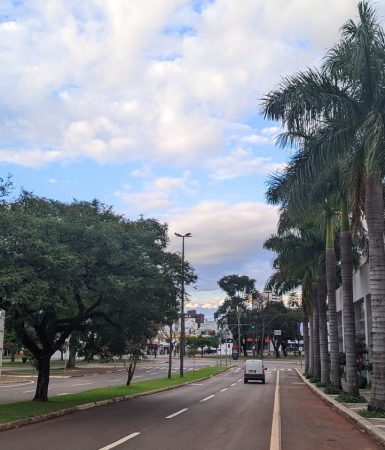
(254, 370)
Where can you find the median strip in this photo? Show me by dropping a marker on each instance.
(13, 415)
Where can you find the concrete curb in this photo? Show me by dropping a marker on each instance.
(63, 412)
(363, 423)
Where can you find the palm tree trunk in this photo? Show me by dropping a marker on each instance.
(331, 274)
(347, 307)
(323, 331)
(315, 331)
(306, 342)
(311, 352)
(374, 206)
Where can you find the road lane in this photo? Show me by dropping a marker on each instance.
(97, 428)
(236, 418)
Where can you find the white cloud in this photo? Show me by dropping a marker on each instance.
(240, 163)
(224, 232)
(158, 194)
(105, 81)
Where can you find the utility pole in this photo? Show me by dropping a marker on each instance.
(182, 317)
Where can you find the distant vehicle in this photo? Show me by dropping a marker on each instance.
(254, 370)
(210, 350)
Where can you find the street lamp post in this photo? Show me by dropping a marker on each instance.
(182, 317)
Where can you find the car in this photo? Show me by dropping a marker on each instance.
(254, 370)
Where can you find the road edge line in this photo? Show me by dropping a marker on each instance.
(275, 438)
(370, 429)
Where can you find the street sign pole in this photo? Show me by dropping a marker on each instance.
(2, 323)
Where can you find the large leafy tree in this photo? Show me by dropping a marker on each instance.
(64, 266)
(233, 310)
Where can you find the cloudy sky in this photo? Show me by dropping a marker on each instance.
(152, 107)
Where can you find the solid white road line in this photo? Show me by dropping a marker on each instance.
(275, 439)
(16, 385)
(195, 384)
(27, 392)
(120, 441)
(207, 398)
(223, 390)
(80, 384)
(119, 379)
(64, 393)
(177, 413)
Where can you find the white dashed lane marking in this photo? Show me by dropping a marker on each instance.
(171, 416)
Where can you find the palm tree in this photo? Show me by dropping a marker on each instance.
(306, 199)
(298, 251)
(348, 95)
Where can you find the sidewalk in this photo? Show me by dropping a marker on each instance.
(374, 427)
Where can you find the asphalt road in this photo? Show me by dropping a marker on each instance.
(219, 413)
(24, 389)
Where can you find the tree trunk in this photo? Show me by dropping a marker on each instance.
(316, 343)
(323, 331)
(374, 205)
(71, 359)
(306, 342)
(170, 360)
(130, 372)
(43, 367)
(331, 274)
(311, 352)
(276, 348)
(348, 308)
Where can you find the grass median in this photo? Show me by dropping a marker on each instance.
(11, 412)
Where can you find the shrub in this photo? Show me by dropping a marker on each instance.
(344, 397)
(331, 390)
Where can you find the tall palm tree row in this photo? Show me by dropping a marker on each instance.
(344, 102)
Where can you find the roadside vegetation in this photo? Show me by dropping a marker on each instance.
(330, 198)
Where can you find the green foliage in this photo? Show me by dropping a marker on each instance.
(373, 414)
(320, 384)
(344, 397)
(81, 267)
(331, 390)
(314, 380)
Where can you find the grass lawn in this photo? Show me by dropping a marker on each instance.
(22, 410)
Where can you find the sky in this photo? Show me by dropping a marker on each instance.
(153, 107)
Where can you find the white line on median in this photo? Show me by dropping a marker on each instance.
(223, 390)
(233, 384)
(177, 413)
(120, 441)
(207, 398)
(275, 439)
